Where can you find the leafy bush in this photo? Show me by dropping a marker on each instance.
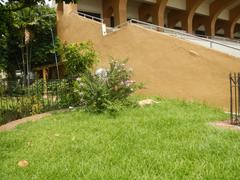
(16, 108)
(8, 115)
(37, 108)
(108, 91)
(79, 58)
(37, 88)
(1, 89)
(67, 96)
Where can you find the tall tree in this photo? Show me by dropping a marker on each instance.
(27, 39)
(21, 18)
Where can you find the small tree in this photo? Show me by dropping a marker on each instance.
(79, 58)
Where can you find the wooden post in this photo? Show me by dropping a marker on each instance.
(44, 71)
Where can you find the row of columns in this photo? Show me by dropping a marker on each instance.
(118, 8)
(189, 20)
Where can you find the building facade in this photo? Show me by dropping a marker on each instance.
(205, 17)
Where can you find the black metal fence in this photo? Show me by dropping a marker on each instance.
(18, 100)
(234, 98)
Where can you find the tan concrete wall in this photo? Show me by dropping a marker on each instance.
(165, 64)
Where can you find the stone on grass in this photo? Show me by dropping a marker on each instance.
(147, 102)
(23, 163)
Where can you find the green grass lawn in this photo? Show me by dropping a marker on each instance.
(170, 140)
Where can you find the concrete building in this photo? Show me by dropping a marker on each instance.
(205, 17)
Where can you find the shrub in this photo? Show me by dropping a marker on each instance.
(79, 58)
(67, 96)
(8, 115)
(16, 108)
(37, 108)
(1, 90)
(37, 88)
(106, 91)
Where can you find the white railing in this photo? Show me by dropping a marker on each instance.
(210, 42)
(206, 42)
(219, 38)
(116, 28)
(223, 40)
(226, 39)
(96, 19)
(90, 17)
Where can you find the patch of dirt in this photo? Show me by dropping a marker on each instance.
(225, 125)
(13, 124)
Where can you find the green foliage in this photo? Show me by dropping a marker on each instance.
(79, 58)
(19, 107)
(18, 101)
(16, 5)
(8, 115)
(37, 88)
(108, 91)
(4, 18)
(67, 96)
(3, 51)
(39, 21)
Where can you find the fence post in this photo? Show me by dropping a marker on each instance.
(231, 96)
(235, 94)
(238, 97)
(44, 80)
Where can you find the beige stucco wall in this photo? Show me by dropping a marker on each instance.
(165, 64)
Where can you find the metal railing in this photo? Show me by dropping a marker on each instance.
(18, 100)
(206, 42)
(116, 28)
(226, 39)
(156, 27)
(234, 98)
(178, 33)
(90, 17)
